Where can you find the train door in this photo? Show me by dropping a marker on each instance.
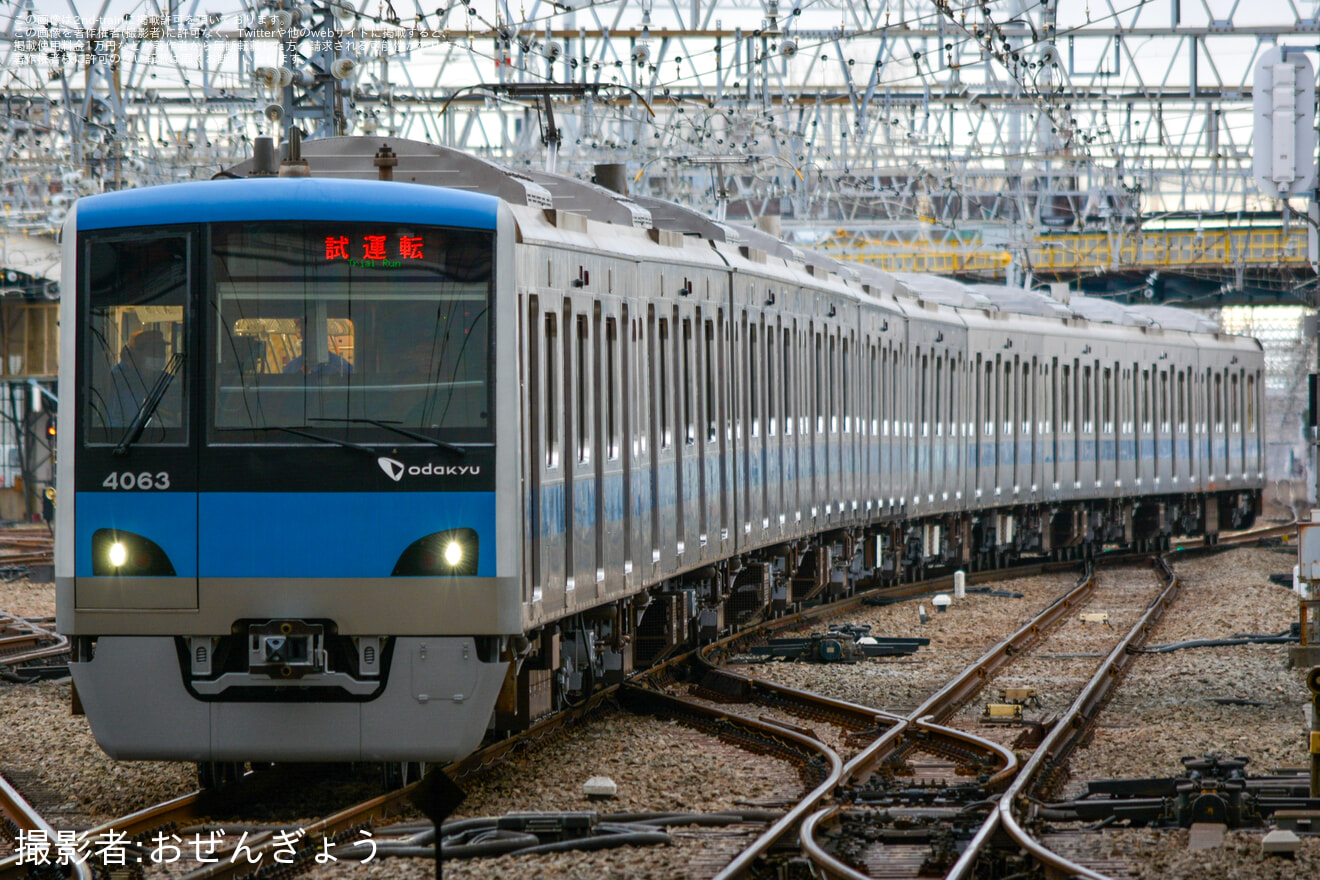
(609, 467)
(740, 436)
(772, 483)
(1165, 462)
(627, 447)
(792, 426)
(1053, 429)
(707, 479)
(1254, 441)
(753, 380)
(1088, 458)
(550, 575)
(579, 473)
(1236, 458)
(535, 463)
(829, 440)
(728, 517)
(686, 545)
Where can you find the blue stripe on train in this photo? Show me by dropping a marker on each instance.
(285, 534)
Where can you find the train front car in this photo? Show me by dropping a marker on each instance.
(288, 531)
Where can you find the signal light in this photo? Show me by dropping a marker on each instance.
(50, 430)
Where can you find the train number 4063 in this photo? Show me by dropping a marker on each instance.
(144, 480)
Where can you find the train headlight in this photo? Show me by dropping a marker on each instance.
(451, 553)
(125, 554)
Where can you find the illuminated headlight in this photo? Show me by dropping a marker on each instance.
(125, 554)
(451, 553)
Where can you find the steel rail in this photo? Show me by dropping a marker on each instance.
(961, 688)
(1070, 728)
(25, 816)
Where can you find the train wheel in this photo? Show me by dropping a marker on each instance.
(215, 775)
(397, 774)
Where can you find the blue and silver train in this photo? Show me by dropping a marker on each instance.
(364, 468)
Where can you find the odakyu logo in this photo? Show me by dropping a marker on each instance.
(396, 470)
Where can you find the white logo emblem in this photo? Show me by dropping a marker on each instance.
(393, 469)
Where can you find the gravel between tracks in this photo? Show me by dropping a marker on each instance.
(1160, 712)
(1164, 709)
(969, 628)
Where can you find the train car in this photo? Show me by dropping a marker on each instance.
(369, 463)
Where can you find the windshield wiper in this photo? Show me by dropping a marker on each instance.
(391, 426)
(149, 404)
(322, 438)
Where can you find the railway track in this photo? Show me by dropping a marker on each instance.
(884, 734)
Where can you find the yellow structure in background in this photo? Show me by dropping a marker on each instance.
(1065, 251)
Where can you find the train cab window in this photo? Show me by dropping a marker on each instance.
(347, 330)
(136, 370)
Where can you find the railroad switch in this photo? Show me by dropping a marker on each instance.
(843, 643)
(1214, 789)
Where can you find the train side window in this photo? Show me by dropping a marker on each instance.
(581, 367)
(1219, 403)
(987, 416)
(1088, 406)
(1065, 400)
(711, 426)
(938, 393)
(820, 388)
(1251, 404)
(1182, 402)
(1025, 401)
(689, 423)
(832, 400)
(1234, 417)
(611, 389)
(663, 345)
(845, 369)
(753, 390)
(1164, 402)
(786, 355)
(1006, 407)
(551, 385)
(1106, 393)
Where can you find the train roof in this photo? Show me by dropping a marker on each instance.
(432, 165)
(258, 199)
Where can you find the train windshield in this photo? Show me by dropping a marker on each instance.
(350, 331)
(136, 289)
